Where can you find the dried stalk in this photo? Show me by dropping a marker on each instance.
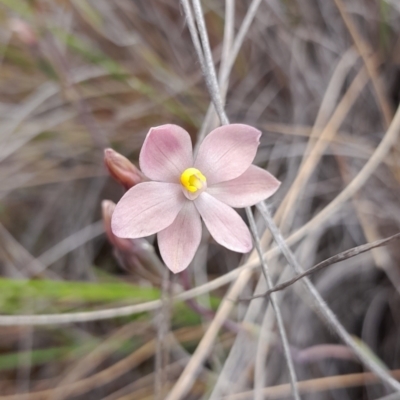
(355, 251)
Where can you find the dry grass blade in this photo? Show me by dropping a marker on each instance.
(314, 151)
(205, 57)
(318, 385)
(185, 381)
(109, 374)
(368, 169)
(227, 64)
(330, 318)
(94, 359)
(355, 251)
(275, 305)
(163, 328)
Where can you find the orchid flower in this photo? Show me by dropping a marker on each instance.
(183, 189)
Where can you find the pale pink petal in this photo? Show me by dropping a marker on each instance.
(227, 152)
(224, 223)
(166, 153)
(179, 241)
(253, 186)
(147, 208)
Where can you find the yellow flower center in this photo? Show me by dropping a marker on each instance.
(193, 180)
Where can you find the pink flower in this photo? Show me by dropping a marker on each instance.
(183, 188)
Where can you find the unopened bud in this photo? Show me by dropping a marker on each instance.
(107, 207)
(24, 31)
(122, 170)
(133, 254)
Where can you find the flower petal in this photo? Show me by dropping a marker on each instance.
(166, 153)
(147, 208)
(253, 186)
(224, 223)
(227, 152)
(179, 241)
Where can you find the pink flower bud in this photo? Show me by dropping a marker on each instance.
(108, 207)
(23, 31)
(122, 170)
(135, 255)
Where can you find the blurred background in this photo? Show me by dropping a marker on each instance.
(320, 78)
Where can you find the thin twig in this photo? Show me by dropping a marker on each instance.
(355, 251)
(329, 317)
(275, 305)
